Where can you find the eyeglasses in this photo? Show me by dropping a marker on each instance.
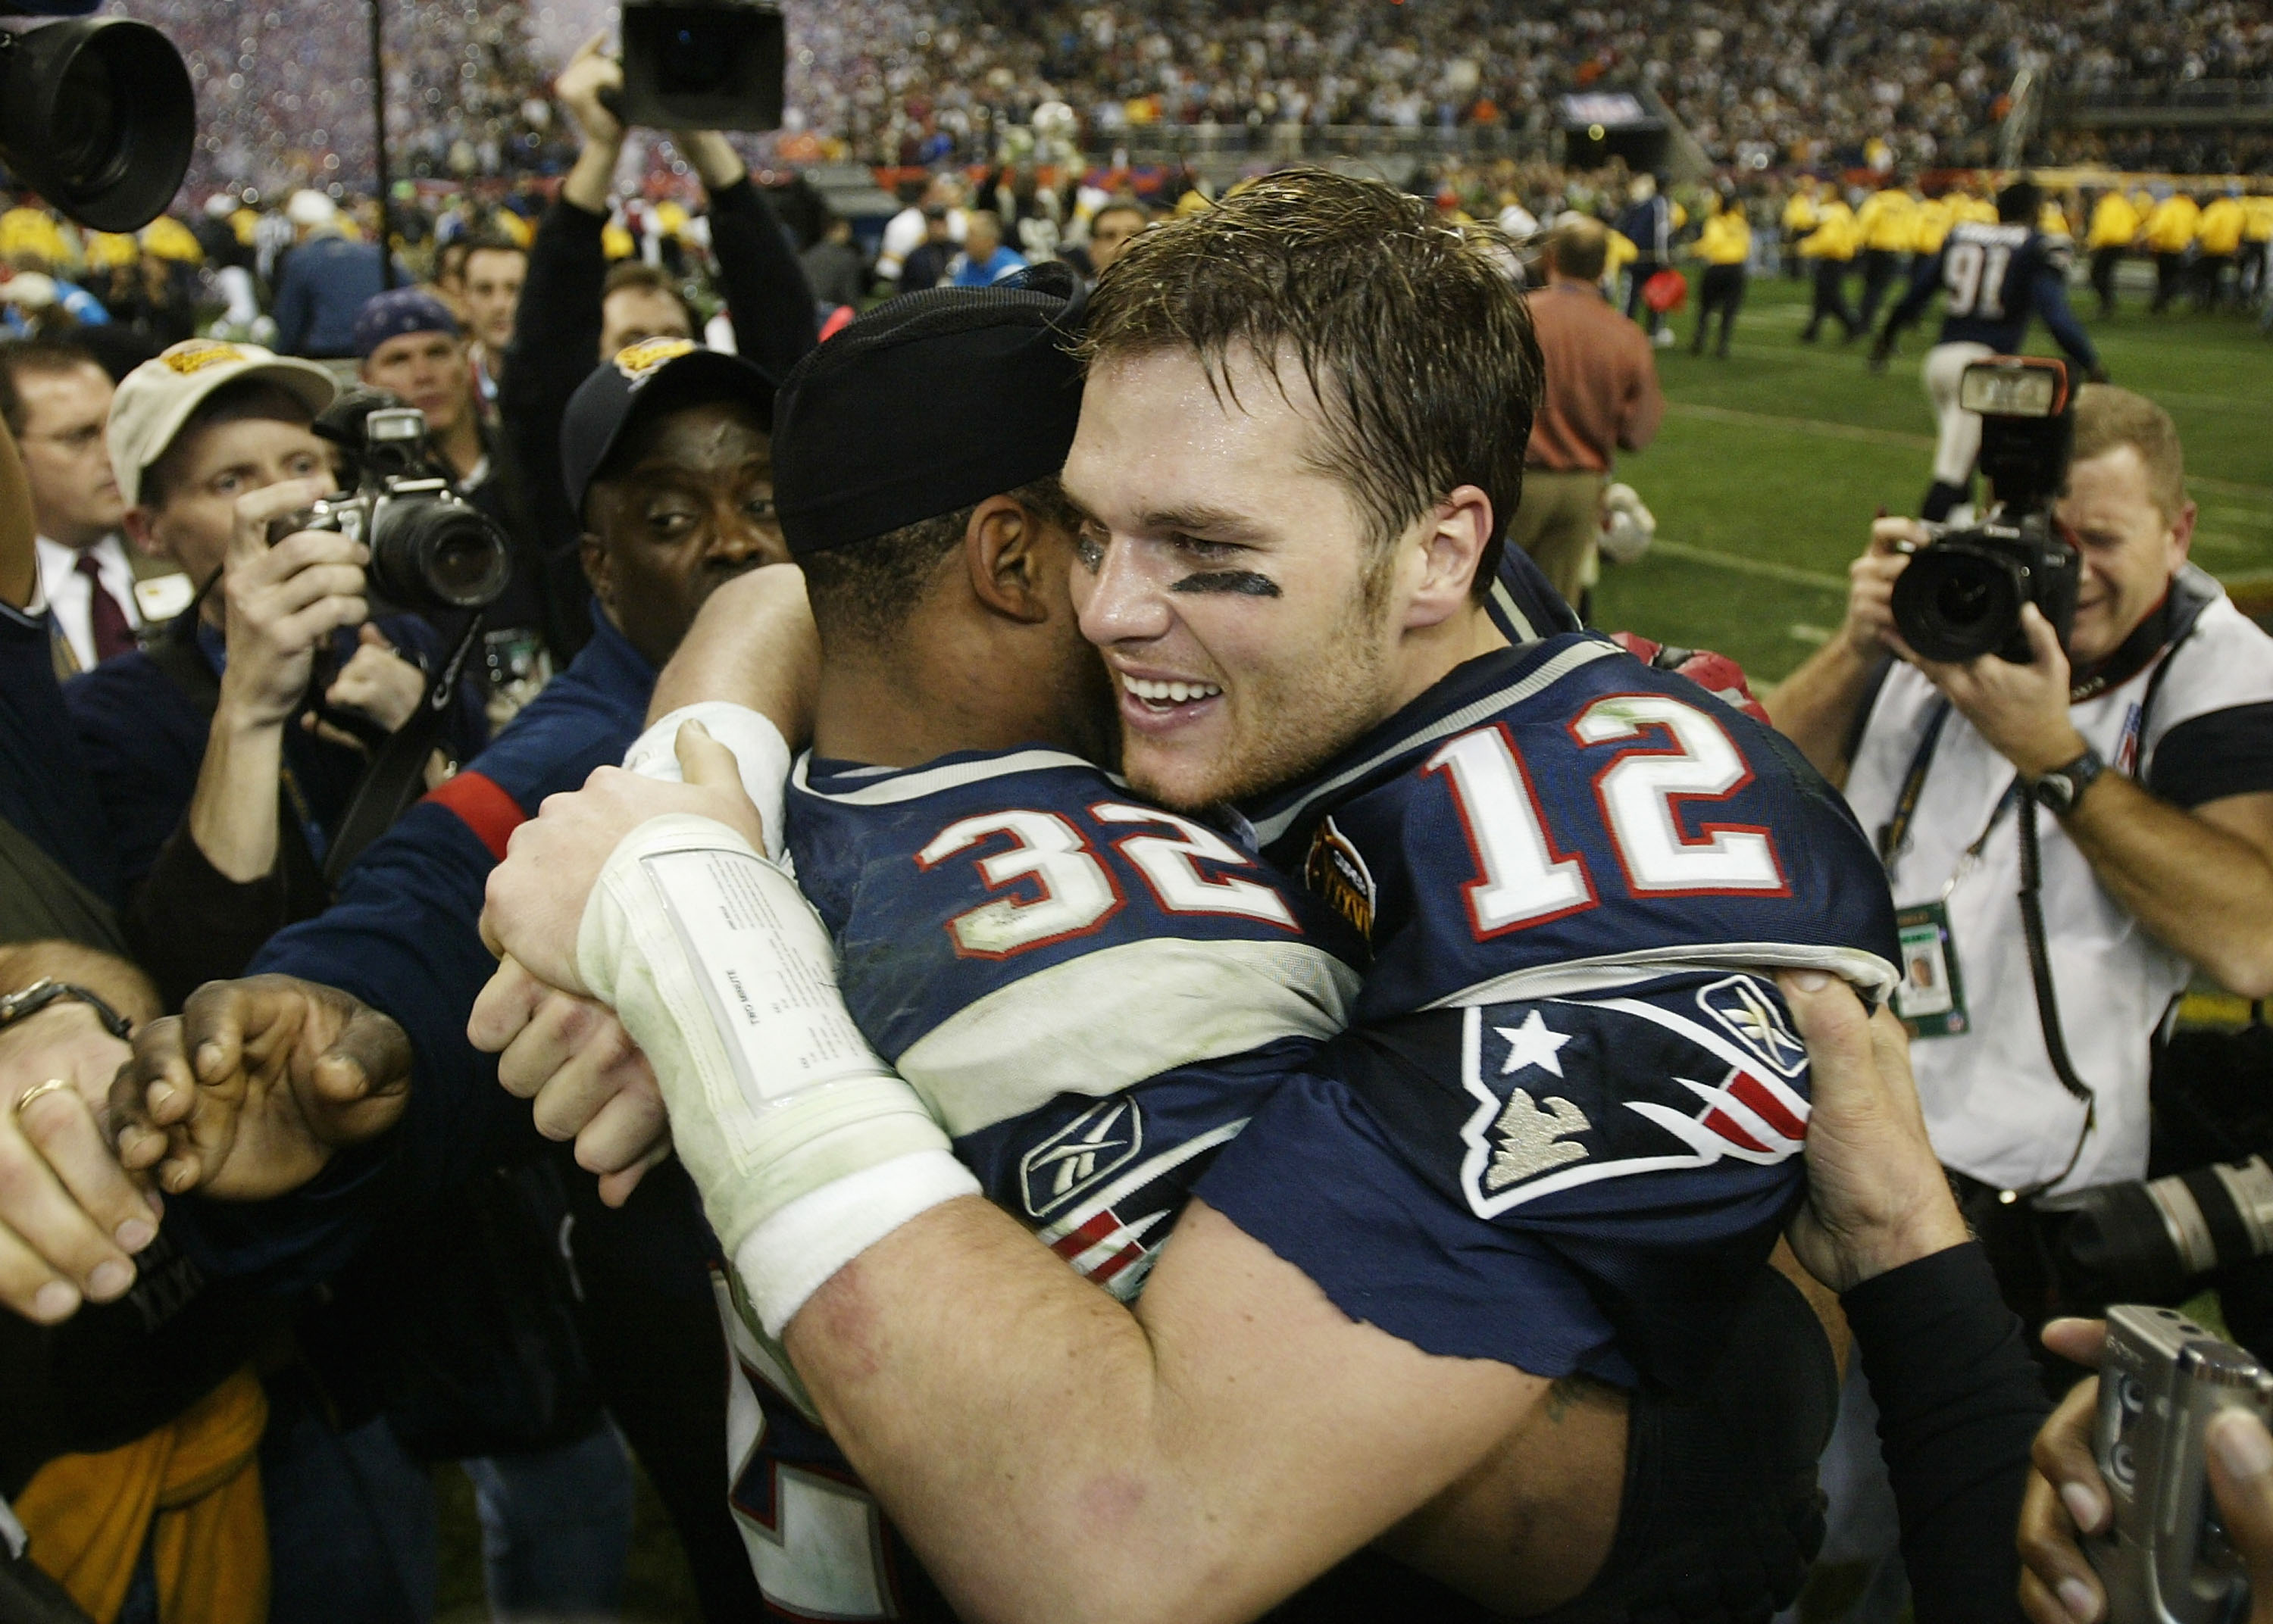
(77, 441)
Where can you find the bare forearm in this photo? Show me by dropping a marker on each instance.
(233, 813)
(592, 176)
(2196, 887)
(1816, 707)
(114, 980)
(714, 158)
(1003, 1427)
(753, 643)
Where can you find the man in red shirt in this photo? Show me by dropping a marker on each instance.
(1601, 398)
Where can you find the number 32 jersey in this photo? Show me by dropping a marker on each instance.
(1093, 995)
(1563, 1129)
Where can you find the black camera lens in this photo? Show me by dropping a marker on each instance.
(1957, 602)
(98, 115)
(435, 553)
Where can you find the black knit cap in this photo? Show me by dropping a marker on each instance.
(930, 402)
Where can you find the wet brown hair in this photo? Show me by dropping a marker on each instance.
(1406, 328)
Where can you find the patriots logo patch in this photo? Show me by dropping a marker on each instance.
(1569, 1092)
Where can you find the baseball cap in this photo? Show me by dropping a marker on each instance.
(156, 398)
(644, 381)
(930, 402)
(310, 208)
(399, 311)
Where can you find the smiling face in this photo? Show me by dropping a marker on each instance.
(1248, 620)
(2130, 547)
(690, 507)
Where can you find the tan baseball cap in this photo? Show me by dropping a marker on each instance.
(156, 398)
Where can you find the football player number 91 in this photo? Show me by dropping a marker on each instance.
(1524, 880)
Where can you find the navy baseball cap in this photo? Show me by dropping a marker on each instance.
(929, 403)
(397, 311)
(644, 381)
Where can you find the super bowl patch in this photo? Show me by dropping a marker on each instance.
(638, 362)
(192, 355)
(1336, 873)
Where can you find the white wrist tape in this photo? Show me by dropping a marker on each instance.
(759, 752)
(726, 979)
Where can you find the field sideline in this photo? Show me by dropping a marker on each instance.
(1771, 463)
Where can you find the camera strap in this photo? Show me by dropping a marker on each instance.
(397, 774)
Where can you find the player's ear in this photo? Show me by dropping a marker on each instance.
(1001, 551)
(1452, 549)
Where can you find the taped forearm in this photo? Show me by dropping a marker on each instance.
(761, 754)
(724, 976)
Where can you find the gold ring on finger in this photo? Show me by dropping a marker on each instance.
(50, 1087)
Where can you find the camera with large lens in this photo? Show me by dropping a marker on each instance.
(2153, 1240)
(431, 551)
(1961, 597)
(97, 115)
(701, 65)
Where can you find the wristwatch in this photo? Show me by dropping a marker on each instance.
(30, 1000)
(2064, 786)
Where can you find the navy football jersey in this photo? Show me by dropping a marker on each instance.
(1093, 995)
(1563, 1129)
(1993, 279)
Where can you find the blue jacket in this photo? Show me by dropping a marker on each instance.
(404, 937)
(144, 740)
(326, 280)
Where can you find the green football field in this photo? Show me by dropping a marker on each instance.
(1771, 463)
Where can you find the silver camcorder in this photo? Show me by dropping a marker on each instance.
(2165, 1559)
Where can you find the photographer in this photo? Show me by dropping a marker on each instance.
(572, 313)
(221, 784)
(412, 348)
(2150, 739)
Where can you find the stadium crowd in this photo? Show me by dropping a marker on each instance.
(414, 1049)
(892, 82)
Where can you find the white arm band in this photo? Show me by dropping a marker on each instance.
(726, 977)
(759, 752)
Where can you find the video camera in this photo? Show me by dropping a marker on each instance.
(431, 551)
(1962, 595)
(96, 114)
(2165, 1559)
(701, 65)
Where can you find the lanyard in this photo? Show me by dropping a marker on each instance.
(1894, 835)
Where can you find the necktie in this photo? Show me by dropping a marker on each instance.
(112, 633)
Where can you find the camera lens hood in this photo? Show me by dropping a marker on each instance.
(98, 116)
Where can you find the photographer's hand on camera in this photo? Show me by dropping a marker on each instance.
(252, 1089)
(2066, 1497)
(2021, 710)
(283, 602)
(1815, 707)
